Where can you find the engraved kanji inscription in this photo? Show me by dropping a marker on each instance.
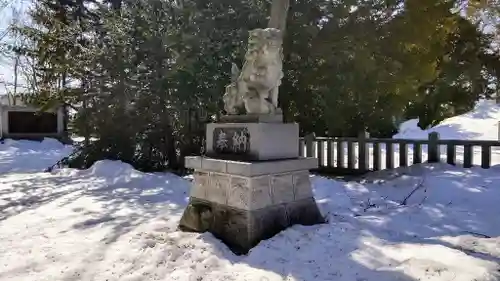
(231, 140)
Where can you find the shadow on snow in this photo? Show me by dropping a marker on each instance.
(336, 251)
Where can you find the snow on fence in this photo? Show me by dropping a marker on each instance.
(364, 154)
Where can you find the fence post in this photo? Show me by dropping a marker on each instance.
(433, 150)
(310, 147)
(363, 151)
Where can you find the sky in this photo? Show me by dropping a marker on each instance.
(6, 17)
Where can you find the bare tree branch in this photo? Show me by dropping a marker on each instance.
(419, 185)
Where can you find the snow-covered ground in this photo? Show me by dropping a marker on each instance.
(27, 156)
(111, 222)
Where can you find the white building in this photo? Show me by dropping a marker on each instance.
(18, 120)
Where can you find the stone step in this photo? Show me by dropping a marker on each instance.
(250, 168)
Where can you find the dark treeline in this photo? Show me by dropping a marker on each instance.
(143, 77)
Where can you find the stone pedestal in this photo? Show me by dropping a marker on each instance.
(252, 184)
(252, 141)
(243, 203)
(252, 118)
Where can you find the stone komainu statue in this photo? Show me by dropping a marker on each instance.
(256, 86)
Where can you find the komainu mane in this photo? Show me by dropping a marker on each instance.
(256, 86)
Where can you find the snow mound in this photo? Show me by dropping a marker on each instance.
(479, 124)
(110, 169)
(31, 156)
(45, 144)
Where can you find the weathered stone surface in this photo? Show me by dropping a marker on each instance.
(251, 169)
(252, 118)
(252, 141)
(304, 212)
(282, 188)
(302, 185)
(261, 192)
(249, 193)
(268, 222)
(250, 201)
(200, 184)
(192, 162)
(240, 193)
(232, 226)
(213, 165)
(231, 140)
(197, 217)
(218, 188)
(241, 230)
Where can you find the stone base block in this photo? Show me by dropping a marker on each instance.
(251, 185)
(240, 229)
(252, 141)
(249, 168)
(243, 203)
(252, 118)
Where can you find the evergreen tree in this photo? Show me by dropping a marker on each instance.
(144, 76)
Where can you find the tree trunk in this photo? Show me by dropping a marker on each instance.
(170, 148)
(65, 107)
(16, 68)
(86, 130)
(279, 11)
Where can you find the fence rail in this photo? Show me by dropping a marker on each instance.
(363, 154)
